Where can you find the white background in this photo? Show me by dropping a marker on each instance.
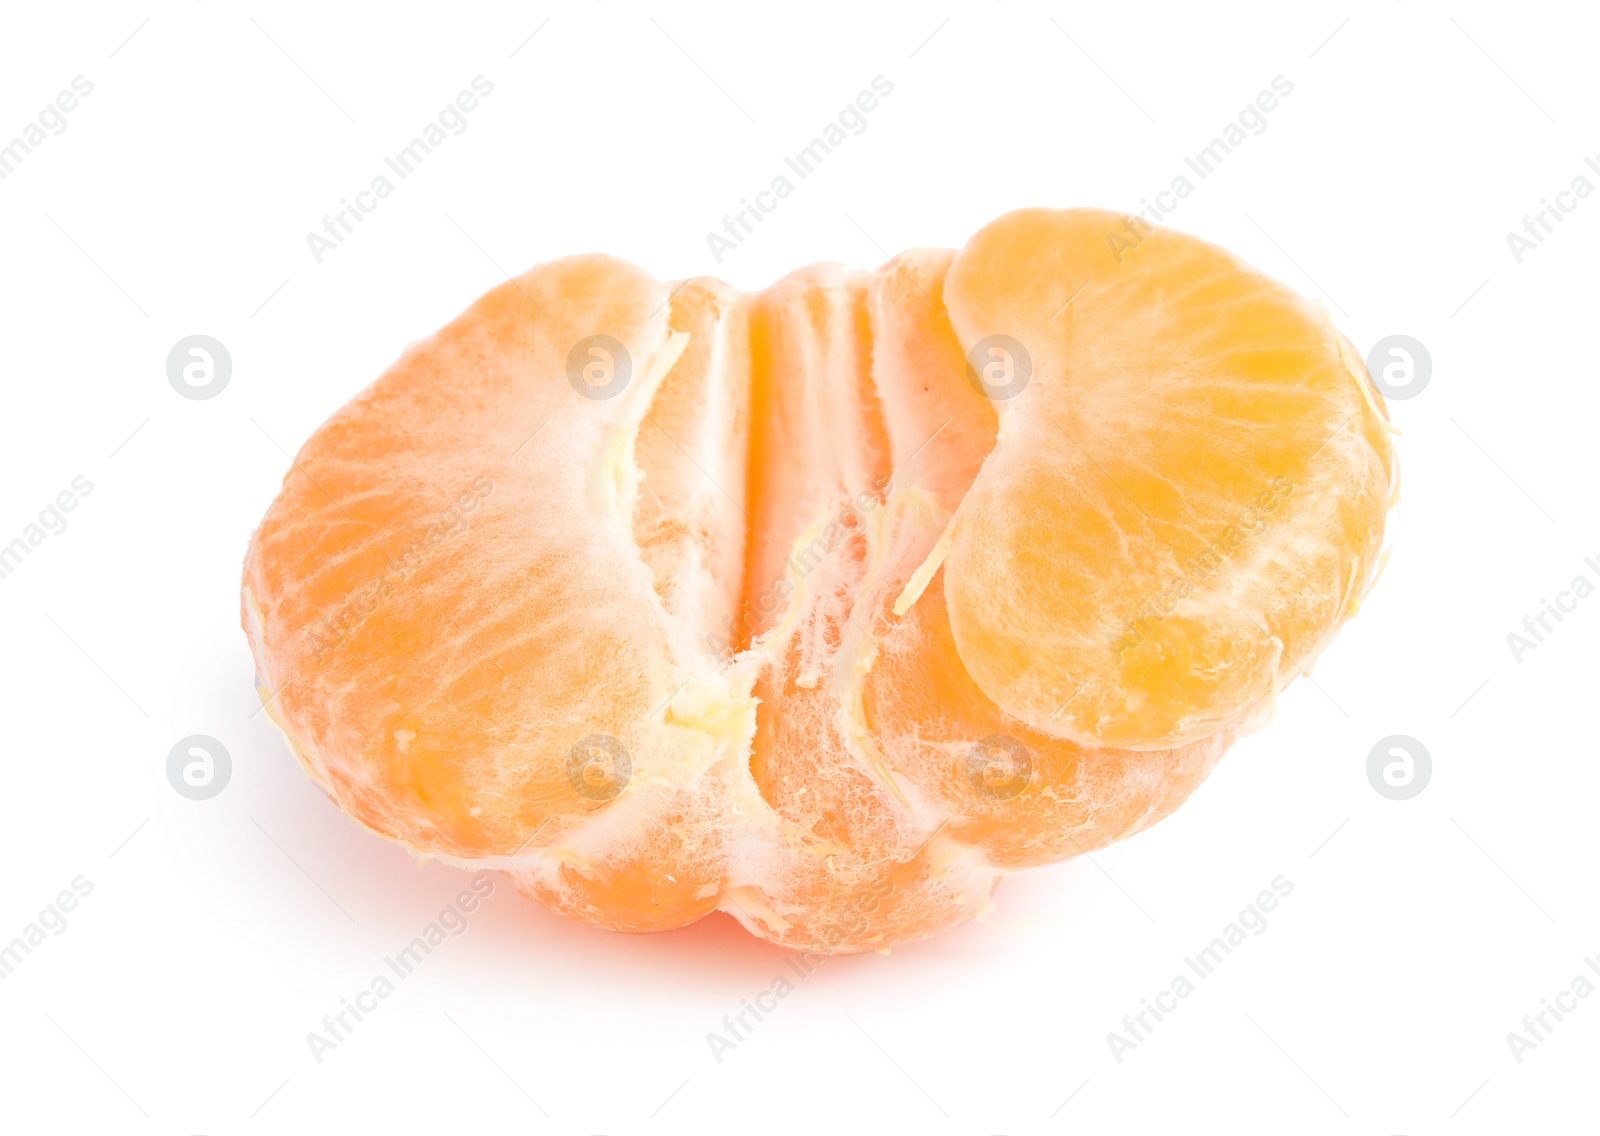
(218, 933)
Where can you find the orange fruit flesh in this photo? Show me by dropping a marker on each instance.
(1172, 555)
(797, 623)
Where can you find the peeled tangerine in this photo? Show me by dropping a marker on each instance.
(828, 604)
